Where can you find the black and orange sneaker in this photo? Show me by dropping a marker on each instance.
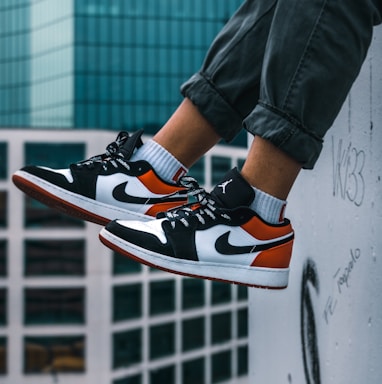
(104, 187)
(218, 237)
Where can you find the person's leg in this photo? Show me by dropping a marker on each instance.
(313, 55)
(270, 169)
(306, 76)
(187, 135)
(295, 108)
(225, 90)
(223, 93)
(183, 139)
(219, 97)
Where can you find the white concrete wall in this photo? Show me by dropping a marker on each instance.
(327, 326)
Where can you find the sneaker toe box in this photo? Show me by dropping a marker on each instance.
(148, 235)
(60, 177)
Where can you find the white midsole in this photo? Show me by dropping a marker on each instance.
(106, 211)
(258, 276)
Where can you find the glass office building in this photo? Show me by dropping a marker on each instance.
(70, 310)
(111, 64)
(15, 63)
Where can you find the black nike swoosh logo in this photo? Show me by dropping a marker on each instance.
(223, 246)
(119, 193)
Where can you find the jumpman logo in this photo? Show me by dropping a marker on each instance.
(224, 185)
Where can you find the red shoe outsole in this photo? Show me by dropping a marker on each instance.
(123, 252)
(53, 201)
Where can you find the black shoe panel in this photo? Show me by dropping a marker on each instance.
(182, 240)
(84, 183)
(139, 238)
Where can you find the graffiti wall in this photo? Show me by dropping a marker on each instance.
(327, 326)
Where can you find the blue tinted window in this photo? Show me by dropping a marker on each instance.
(242, 360)
(127, 348)
(135, 379)
(193, 371)
(54, 155)
(221, 292)
(3, 209)
(54, 306)
(163, 375)
(193, 333)
(192, 293)
(127, 302)
(242, 322)
(221, 327)
(3, 160)
(54, 258)
(3, 257)
(3, 306)
(124, 265)
(162, 340)
(221, 366)
(162, 297)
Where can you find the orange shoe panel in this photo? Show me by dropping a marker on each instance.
(277, 257)
(262, 231)
(155, 185)
(162, 207)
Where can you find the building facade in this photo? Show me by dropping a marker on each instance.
(70, 311)
(110, 64)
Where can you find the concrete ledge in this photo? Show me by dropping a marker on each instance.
(327, 326)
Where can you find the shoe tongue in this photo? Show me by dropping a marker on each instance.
(233, 191)
(132, 142)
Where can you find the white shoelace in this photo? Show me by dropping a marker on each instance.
(111, 156)
(205, 206)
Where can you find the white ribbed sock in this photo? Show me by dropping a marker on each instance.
(164, 163)
(268, 207)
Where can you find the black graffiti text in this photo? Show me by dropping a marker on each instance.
(341, 278)
(343, 275)
(330, 308)
(309, 339)
(348, 168)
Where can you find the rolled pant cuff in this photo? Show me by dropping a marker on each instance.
(286, 133)
(213, 106)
